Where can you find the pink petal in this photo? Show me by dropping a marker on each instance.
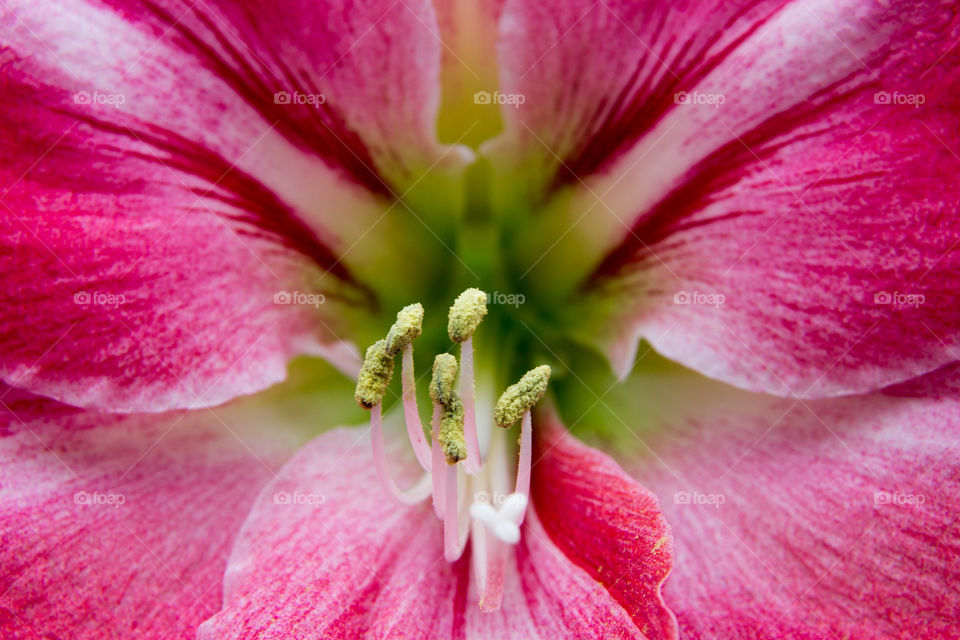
(606, 524)
(795, 203)
(944, 382)
(186, 199)
(596, 77)
(118, 527)
(210, 72)
(807, 519)
(324, 553)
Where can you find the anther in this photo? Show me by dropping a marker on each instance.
(406, 329)
(444, 374)
(451, 431)
(375, 375)
(520, 397)
(466, 314)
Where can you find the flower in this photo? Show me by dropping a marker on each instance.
(748, 207)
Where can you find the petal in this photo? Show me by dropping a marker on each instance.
(605, 523)
(159, 176)
(944, 382)
(786, 215)
(118, 526)
(469, 33)
(324, 553)
(597, 79)
(806, 519)
(361, 78)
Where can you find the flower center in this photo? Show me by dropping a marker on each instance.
(469, 483)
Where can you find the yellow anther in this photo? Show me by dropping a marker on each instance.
(375, 375)
(451, 437)
(466, 313)
(444, 375)
(406, 329)
(521, 397)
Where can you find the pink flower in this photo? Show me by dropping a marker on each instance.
(750, 208)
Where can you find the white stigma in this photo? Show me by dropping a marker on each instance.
(505, 521)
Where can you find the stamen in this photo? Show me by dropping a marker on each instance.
(451, 432)
(411, 412)
(406, 329)
(450, 440)
(455, 438)
(454, 534)
(443, 395)
(466, 313)
(504, 523)
(375, 375)
(437, 460)
(412, 495)
(464, 317)
(444, 374)
(520, 397)
(467, 391)
(523, 462)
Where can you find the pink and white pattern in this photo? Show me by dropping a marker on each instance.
(194, 194)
